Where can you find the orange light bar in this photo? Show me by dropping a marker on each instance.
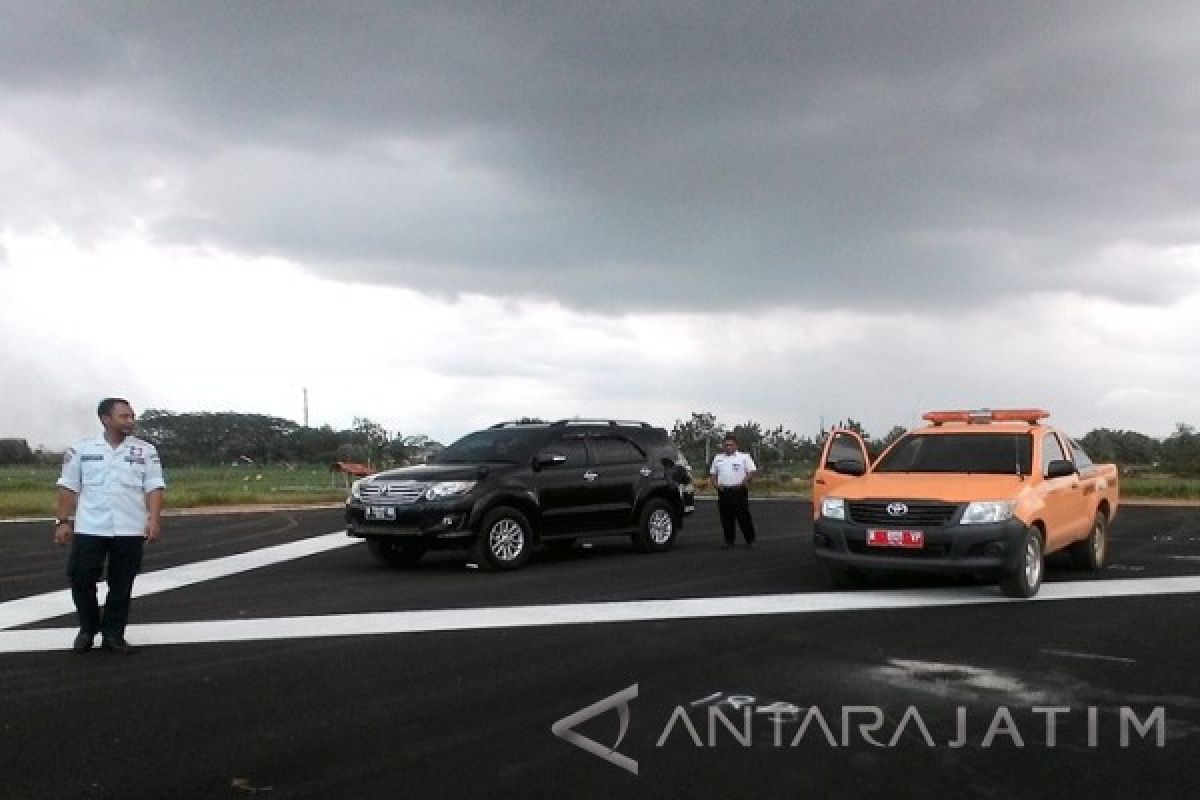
(1029, 415)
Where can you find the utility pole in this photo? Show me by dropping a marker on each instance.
(306, 406)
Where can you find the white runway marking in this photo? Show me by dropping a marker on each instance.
(29, 610)
(1091, 656)
(240, 630)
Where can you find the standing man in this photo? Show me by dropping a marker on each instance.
(731, 473)
(110, 497)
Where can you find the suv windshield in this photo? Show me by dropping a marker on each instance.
(995, 453)
(508, 445)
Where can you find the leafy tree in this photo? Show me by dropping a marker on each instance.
(749, 436)
(699, 438)
(16, 451)
(877, 446)
(1181, 451)
(1101, 445)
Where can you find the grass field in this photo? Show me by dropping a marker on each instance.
(29, 491)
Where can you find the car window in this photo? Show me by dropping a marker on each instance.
(991, 453)
(502, 445)
(844, 447)
(615, 450)
(1079, 454)
(1051, 450)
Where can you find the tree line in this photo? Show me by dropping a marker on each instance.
(209, 438)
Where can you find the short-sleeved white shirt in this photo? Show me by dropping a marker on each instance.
(732, 470)
(112, 484)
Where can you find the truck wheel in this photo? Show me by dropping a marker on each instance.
(656, 528)
(1027, 579)
(504, 539)
(1092, 552)
(393, 553)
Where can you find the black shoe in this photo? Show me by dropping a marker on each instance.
(83, 642)
(749, 545)
(117, 645)
(727, 546)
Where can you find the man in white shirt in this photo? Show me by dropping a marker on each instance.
(110, 497)
(731, 473)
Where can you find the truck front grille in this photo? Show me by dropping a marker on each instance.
(922, 514)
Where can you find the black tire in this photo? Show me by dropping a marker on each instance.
(841, 577)
(1092, 552)
(1027, 578)
(657, 527)
(392, 553)
(504, 541)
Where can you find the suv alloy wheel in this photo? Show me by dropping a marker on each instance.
(656, 528)
(504, 540)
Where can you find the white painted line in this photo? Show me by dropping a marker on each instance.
(36, 608)
(1090, 656)
(241, 630)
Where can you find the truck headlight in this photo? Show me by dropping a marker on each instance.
(356, 489)
(445, 489)
(833, 508)
(982, 512)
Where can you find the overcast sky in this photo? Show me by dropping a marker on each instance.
(443, 215)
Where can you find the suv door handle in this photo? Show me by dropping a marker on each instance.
(590, 476)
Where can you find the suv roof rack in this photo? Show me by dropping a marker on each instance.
(563, 423)
(627, 423)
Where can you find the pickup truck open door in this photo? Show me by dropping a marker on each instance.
(843, 458)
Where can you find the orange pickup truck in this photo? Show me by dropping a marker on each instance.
(975, 492)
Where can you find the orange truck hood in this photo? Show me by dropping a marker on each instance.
(951, 487)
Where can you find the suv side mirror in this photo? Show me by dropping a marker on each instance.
(849, 466)
(1060, 468)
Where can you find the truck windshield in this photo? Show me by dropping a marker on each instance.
(992, 453)
(506, 445)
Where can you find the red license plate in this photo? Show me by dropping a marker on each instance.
(881, 538)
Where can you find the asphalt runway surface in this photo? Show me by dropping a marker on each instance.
(279, 661)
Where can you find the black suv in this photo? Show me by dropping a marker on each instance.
(501, 491)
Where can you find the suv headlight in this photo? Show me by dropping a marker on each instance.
(356, 489)
(444, 489)
(833, 508)
(982, 512)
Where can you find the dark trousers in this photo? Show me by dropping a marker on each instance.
(734, 505)
(84, 567)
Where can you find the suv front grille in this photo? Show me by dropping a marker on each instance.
(399, 492)
(921, 515)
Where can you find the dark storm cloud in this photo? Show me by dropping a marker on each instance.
(857, 153)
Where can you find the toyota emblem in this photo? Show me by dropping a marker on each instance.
(897, 509)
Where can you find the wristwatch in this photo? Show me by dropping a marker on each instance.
(62, 521)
